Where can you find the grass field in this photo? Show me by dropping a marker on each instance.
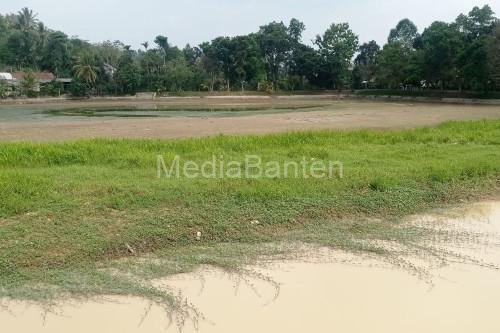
(70, 213)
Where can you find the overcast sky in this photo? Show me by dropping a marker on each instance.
(195, 21)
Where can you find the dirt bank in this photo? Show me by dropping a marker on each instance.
(350, 295)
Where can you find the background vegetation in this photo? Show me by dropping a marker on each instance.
(461, 55)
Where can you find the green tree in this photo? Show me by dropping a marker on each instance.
(405, 33)
(493, 55)
(85, 74)
(85, 69)
(192, 54)
(210, 64)
(56, 55)
(26, 19)
(151, 64)
(440, 46)
(247, 66)
(303, 65)
(475, 29)
(222, 55)
(162, 43)
(43, 35)
(3, 90)
(108, 53)
(479, 22)
(295, 30)
(301, 59)
(178, 75)
(274, 40)
(21, 49)
(365, 64)
(29, 84)
(337, 47)
(393, 63)
(128, 76)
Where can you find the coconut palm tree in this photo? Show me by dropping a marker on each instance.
(85, 70)
(162, 43)
(26, 19)
(146, 45)
(43, 32)
(29, 84)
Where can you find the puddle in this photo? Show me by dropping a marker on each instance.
(158, 111)
(348, 295)
(38, 113)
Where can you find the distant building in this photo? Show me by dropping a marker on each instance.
(65, 81)
(15, 79)
(41, 78)
(6, 77)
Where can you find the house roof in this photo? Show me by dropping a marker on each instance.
(42, 77)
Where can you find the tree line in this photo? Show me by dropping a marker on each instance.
(461, 55)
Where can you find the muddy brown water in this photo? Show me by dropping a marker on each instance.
(349, 295)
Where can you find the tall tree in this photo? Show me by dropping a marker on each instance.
(85, 69)
(210, 64)
(337, 47)
(366, 61)
(405, 33)
(247, 66)
(56, 55)
(29, 84)
(368, 53)
(393, 63)
(21, 48)
(192, 54)
(178, 75)
(26, 19)
(440, 46)
(127, 76)
(295, 30)
(162, 43)
(275, 44)
(479, 22)
(493, 49)
(43, 34)
(474, 28)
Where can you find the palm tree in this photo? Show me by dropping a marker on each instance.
(29, 84)
(26, 19)
(146, 45)
(162, 43)
(43, 32)
(85, 70)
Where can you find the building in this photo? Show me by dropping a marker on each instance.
(14, 80)
(41, 78)
(6, 77)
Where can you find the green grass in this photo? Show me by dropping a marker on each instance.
(68, 210)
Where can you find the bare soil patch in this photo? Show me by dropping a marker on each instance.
(323, 114)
